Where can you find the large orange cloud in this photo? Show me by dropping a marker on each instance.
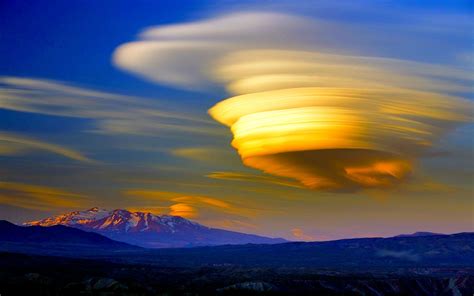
(338, 138)
(331, 121)
(335, 121)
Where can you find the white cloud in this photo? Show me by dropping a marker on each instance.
(342, 121)
(15, 144)
(113, 113)
(183, 54)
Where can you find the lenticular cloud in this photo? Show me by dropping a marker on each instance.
(336, 138)
(332, 122)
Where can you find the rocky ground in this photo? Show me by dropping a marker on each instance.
(41, 275)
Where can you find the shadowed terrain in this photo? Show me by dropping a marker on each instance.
(89, 264)
(30, 275)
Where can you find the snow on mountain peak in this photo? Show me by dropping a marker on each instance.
(72, 218)
(149, 230)
(118, 220)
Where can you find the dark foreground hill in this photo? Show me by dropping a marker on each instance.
(408, 265)
(418, 251)
(455, 250)
(60, 239)
(38, 275)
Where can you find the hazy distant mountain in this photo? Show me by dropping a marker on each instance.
(420, 233)
(414, 251)
(57, 236)
(151, 231)
(432, 251)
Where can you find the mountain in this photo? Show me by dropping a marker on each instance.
(420, 233)
(17, 238)
(455, 250)
(53, 260)
(151, 231)
(432, 251)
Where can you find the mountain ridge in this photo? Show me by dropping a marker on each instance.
(58, 236)
(419, 233)
(149, 230)
(444, 250)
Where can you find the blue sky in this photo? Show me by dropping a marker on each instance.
(182, 156)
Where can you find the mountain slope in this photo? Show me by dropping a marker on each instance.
(59, 236)
(419, 233)
(151, 231)
(425, 252)
(419, 251)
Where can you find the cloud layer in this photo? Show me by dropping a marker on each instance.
(38, 197)
(331, 121)
(15, 144)
(113, 113)
(337, 138)
(209, 210)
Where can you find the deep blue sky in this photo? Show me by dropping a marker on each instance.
(73, 40)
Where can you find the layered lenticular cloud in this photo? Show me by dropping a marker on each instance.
(330, 138)
(330, 121)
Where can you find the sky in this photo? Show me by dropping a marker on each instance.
(308, 120)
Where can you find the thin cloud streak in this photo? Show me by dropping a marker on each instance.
(245, 177)
(41, 198)
(20, 144)
(113, 113)
(205, 209)
(299, 234)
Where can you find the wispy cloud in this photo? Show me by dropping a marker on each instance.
(209, 210)
(186, 54)
(164, 52)
(40, 198)
(208, 155)
(11, 144)
(246, 177)
(193, 211)
(191, 199)
(299, 234)
(113, 113)
(183, 210)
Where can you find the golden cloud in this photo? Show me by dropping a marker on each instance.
(209, 155)
(154, 210)
(330, 121)
(336, 122)
(183, 210)
(338, 138)
(209, 210)
(299, 234)
(245, 177)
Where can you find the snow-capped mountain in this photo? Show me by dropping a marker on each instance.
(72, 218)
(149, 230)
(117, 221)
